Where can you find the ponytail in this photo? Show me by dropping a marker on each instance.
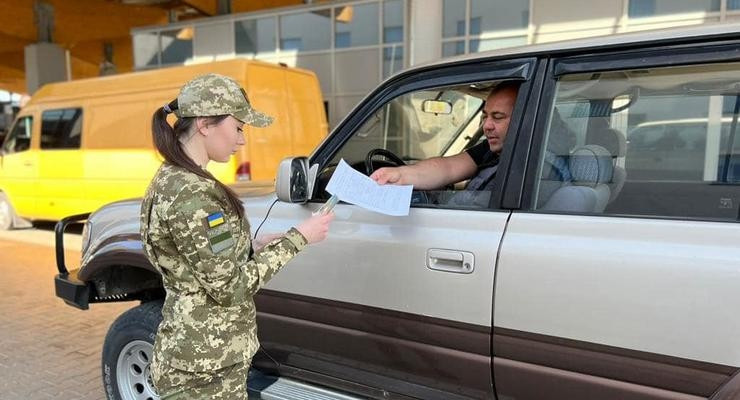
(166, 140)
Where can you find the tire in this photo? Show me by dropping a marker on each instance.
(127, 352)
(7, 214)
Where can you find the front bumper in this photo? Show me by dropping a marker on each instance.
(73, 291)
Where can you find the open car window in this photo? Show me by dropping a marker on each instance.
(413, 127)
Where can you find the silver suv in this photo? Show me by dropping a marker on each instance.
(615, 278)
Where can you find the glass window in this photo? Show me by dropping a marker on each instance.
(19, 138)
(498, 15)
(733, 4)
(177, 45)
(146, 49)
(658, 142)
(356, 25)
(307, 31)
(453, 18)
(651, 8)
(61, 129)
(392, 60)
(255, 36)
(450, 49)
(393, 21)
(417, 126)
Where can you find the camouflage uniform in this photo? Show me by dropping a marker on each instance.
(202, 248)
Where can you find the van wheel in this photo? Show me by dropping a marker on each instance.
(127, 353)
(7, 215)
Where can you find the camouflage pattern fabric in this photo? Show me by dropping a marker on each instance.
(201, 247)
(214, 94)
(228, 383)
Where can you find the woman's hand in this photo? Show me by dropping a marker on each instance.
(316, 228)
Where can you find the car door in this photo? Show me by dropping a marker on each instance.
(61, 189)
(631, 299)
(390, 306)
(19, 166)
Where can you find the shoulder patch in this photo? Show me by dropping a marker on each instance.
(215, 219)
(218, 232)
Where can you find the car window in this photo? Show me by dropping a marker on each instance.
(417, 126)
(657, 142)
(19, 138)
(61, 129)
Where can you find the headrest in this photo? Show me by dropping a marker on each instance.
(610, 139)
(590, 165)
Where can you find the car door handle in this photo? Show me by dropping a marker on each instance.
(461, 262)
(28, 163)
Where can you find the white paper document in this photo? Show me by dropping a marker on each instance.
(355, 188)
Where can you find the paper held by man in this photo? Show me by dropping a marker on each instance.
(353, 187)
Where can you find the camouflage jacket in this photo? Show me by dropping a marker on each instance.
(202, 249)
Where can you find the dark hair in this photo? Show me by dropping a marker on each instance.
(166, 140)
(505, 85)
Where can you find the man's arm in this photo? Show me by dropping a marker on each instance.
(432, 173)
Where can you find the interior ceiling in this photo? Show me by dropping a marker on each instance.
(83, 26)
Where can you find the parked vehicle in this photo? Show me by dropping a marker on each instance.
(78, 145)
(583, 284)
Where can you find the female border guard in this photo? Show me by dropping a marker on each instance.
(195, 233)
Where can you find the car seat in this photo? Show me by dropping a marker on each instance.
(590, 169)
(614, 142)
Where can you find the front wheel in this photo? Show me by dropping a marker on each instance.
(6, 213)
(127, 353)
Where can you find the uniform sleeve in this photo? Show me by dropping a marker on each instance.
(271, 258)
(205, 239)
(210, 248)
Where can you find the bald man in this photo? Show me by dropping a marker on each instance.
(478, 162)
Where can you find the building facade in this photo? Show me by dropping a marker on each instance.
(354, 45)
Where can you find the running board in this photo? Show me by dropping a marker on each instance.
(267, 387)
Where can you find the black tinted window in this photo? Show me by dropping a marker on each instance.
(19, 138)
(61, 129)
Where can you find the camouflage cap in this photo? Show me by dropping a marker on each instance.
(214, 94)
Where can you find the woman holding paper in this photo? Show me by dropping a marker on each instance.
(195, 233)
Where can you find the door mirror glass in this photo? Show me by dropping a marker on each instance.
(292, 183)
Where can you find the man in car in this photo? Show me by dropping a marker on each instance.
(478, 162)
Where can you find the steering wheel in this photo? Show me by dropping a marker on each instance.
(394, 159)
(418, 196)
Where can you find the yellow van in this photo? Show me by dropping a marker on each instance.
(78, 145)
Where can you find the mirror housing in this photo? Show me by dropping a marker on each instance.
(294, 182)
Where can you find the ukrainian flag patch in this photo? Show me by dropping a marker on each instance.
(218, 232)
(215, 219)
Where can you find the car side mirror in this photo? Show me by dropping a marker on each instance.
(295, 178)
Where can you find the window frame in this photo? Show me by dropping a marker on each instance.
(81, 119)
(523, 68)
(630, 57)
(10, 132)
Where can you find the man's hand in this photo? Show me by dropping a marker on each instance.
(387, 175)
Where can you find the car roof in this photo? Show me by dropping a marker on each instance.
(715, 31)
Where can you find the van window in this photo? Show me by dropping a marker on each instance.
(19, 138)
(655, 142)
(61, 129)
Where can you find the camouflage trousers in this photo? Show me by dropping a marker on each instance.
(229, 383)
